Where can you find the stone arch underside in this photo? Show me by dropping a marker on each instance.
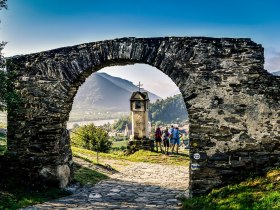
(233, 104)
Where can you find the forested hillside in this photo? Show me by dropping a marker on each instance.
(170, 110)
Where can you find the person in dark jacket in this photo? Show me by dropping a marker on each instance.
(158, 135)
(166, 135)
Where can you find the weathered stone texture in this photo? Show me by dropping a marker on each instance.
(139, 107)
(233, 103)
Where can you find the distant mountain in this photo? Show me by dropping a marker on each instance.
(276, 73)
(174, 93)
(102, 92)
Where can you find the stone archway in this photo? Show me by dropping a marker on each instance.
(233, 104)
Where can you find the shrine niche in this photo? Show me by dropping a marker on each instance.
(139, 107)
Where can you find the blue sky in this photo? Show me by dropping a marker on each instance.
(36, 25)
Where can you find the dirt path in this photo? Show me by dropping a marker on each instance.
(134, 186)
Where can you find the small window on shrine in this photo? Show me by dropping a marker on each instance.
(137, 105)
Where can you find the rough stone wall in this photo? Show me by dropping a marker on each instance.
(233, 103)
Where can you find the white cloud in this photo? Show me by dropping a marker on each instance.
(272, 61)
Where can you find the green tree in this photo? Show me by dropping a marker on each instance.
(3, 4)
(7, 95)
(106, 127)
(120, 124)
(170, 110)
(91, 137)
(3, 78)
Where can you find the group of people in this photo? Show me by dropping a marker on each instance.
(169, 138)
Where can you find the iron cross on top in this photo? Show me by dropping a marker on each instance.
(139, 85)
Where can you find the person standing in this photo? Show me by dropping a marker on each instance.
(176, 139)
(171, 136)
(158, 135)
(166, 135)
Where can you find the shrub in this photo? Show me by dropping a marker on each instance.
(91, 137)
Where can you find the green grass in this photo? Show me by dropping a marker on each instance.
(15, 197)
(87, 176)
(3, 143)
(3, 137)
(120, 144)
(3, 119)
(254, 194)
(139, 156)
(154, 157)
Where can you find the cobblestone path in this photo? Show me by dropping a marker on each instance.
(136, 186)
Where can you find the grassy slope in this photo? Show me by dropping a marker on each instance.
(3, 145)
(15, 197)
(3, 138)
(87, 176)
(18, 196)
(119, 144)
(140, 156)
(259, 193)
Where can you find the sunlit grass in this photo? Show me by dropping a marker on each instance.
(253, 194)
(120, 144)
(139, 156)
(159, 158)
(3, 119)
(3, 143)
(88, 176)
